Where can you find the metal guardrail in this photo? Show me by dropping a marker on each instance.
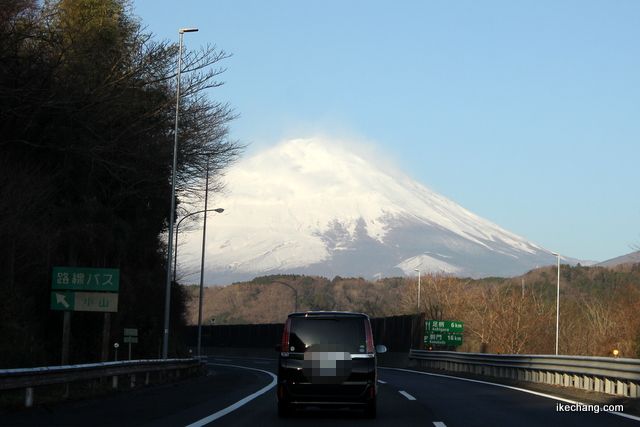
(29, 378)
(600, 374)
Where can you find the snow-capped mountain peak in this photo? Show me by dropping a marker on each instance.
(313, 206)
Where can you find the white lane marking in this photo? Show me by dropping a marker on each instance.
(382, 382)
(524, 390)
(221, 413)
(439, 424)
(407, 395)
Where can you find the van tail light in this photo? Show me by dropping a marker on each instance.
(280, 392)
(284, 344)
(367, 329)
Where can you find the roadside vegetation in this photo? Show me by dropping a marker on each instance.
(598, 306)
(87, 107)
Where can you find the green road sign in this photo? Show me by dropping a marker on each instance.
(86, 279)
(84, 301)
(96, 301)
(444, 326)
(130, 332)
(449, 339)
(132, 340)
(62, 300)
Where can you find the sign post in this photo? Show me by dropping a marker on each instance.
(130, 337)
(106, 334)
(66, 335)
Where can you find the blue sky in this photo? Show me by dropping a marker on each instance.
(526, 113)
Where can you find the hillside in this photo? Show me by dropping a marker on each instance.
(264, 301)
(598, 306)
(631, 258)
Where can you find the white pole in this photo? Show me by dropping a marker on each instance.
(419, 291)
(204, 238)
(558, 305)
(167, 297)
(418, 302)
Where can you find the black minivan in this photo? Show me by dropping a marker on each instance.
(327, 358)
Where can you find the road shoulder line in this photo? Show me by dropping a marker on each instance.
(221, 413)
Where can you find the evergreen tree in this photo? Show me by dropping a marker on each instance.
(87, 103)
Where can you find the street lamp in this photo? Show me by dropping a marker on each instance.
(204, 235)
(167, 297)
(295, 292)
(557, 302)
(418, 289)
(175, 253)
(175, 257)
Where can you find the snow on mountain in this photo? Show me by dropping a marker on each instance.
(427, 263)
(312, 206)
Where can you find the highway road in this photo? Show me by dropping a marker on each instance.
(241, 392)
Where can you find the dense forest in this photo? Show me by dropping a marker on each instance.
(87, 107)
(598, 306)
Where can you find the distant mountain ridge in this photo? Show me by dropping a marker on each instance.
(631, 258)
(311, 206)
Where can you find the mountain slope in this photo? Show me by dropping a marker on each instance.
(631, 258)
(313, 207)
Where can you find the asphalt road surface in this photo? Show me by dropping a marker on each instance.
(241, 392)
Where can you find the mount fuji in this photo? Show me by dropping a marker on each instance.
(311, 206)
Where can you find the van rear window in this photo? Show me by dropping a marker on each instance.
(327, 334)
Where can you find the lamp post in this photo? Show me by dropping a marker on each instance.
(175, 258)
(175, 253)
(167, 298)
(418, 304)
(295, 292)
(557, 303)
(204, 235)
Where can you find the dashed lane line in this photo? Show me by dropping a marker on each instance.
(439, 424)
(524, 390)
(407, 395)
